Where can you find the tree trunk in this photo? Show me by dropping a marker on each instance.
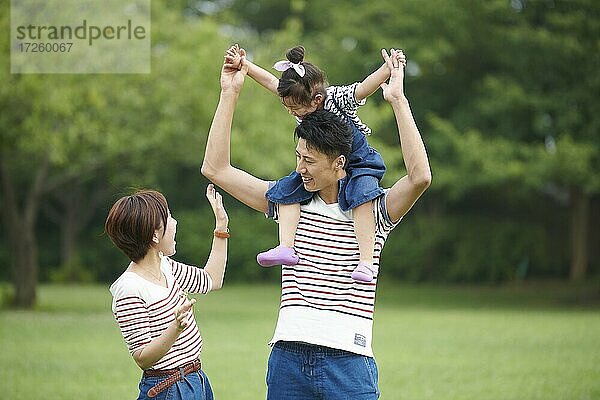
(20, 232)
(69, 234)
(25, 268)
(77, 208)
(579, 228)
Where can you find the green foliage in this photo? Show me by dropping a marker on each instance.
(73, 271)
(505, 95)
(475, 248)
(573, 164)
(251, 233)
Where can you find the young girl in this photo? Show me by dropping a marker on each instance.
(303, 89)
(150, 302)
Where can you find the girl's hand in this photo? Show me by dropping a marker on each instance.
(183, 313)
(216, 202)
(401, 57)
(234, 57)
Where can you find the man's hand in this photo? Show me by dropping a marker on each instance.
(232, 77)
(394, 90)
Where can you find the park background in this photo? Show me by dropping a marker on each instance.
(489, 288)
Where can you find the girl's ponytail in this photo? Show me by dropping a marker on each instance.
(301, 89)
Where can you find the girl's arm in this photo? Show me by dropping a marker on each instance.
(236, 56)
(372, 82)
(262, 76)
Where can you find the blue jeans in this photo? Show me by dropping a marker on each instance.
(299, 371)
(361, 184)
(193, 386)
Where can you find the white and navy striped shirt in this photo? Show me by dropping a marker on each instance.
(143, 310)
(341, 101)
(320, 303)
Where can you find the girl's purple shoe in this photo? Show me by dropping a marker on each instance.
(364, 272)
(279, 255)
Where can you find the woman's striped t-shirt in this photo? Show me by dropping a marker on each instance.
(320, 303)
(143, 310)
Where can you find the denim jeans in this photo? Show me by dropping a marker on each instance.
(299, 371)
(193, 386)
(361, 184)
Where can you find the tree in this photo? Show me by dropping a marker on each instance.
(518, 75)
(63, 133)
(531, 95)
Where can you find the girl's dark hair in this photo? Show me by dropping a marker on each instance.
(132, 220)
(301, 89)
(326, 133)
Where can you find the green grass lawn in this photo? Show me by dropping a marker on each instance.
(431, 342)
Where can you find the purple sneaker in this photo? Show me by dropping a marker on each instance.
(363, 272)
(279, 255)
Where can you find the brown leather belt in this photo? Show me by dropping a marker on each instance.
(172, 375)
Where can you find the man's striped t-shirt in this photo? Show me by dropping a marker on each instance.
(143, 310)
(320, 303)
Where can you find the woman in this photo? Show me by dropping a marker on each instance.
(149, 299)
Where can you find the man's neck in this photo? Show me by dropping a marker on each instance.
(329, 195)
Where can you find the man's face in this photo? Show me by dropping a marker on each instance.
(318, 171)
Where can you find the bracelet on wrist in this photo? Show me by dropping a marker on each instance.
(222, 234)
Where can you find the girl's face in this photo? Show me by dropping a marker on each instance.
(301, 110)
(167, 242)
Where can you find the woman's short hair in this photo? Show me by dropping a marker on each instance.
(132, 220)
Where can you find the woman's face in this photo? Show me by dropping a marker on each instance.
(167, 241)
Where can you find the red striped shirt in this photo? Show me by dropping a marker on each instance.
(320, 302)
(143, 310)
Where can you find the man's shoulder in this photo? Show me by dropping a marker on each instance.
(383, 219)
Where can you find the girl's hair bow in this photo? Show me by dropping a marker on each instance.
(285, 65)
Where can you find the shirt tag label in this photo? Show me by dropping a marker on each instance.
(360, 340)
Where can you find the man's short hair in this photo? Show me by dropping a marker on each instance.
(132, 220)
(326, 133)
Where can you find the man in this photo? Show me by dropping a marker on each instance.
(322, 342)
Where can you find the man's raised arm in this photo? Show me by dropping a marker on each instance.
(405, 192)
(216, 166)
